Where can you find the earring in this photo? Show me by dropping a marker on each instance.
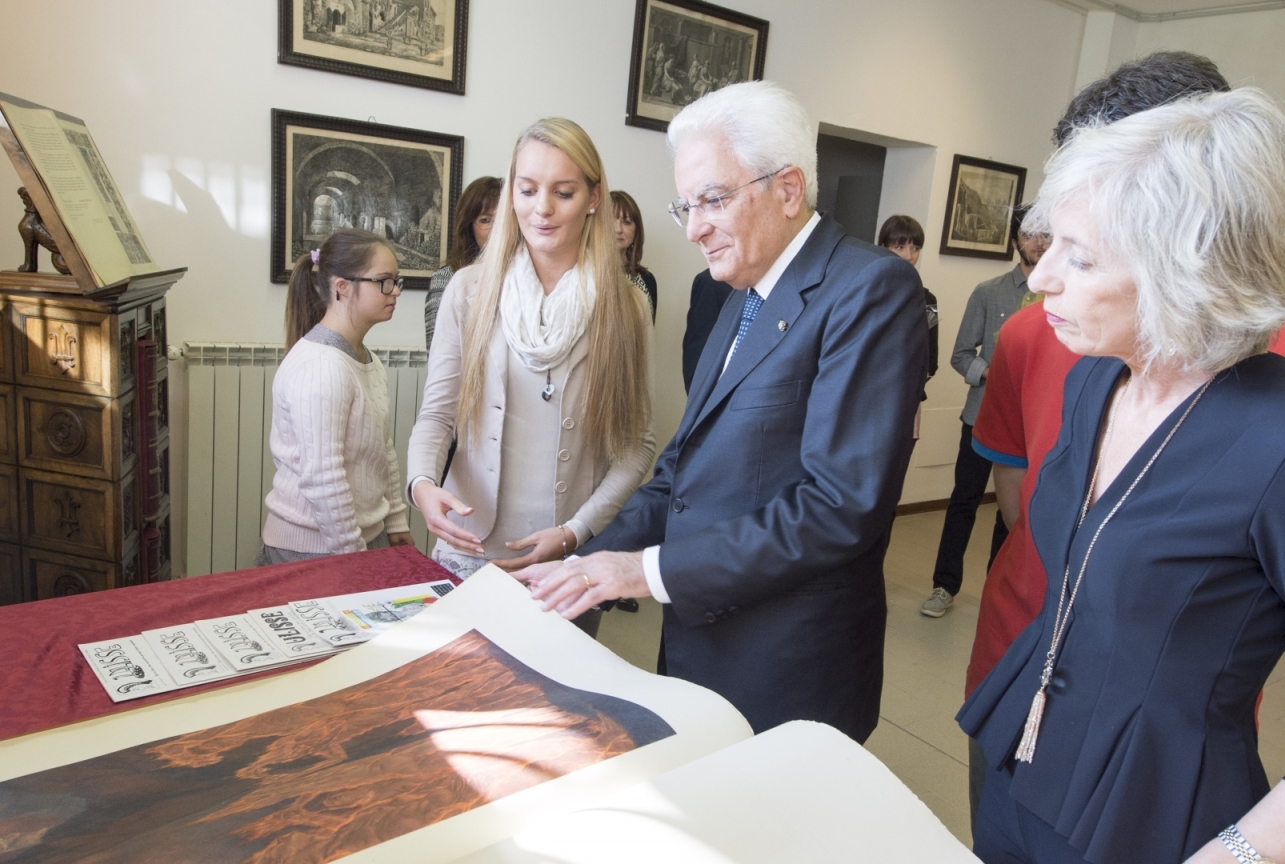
(593, 210)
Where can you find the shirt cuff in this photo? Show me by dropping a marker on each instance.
(397, 523)
(418, 480)
(581, 530)
(651, 571)
(975, 370)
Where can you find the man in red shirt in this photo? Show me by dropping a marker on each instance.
(1021, 411)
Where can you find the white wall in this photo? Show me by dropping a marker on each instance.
(178, 96)
(1246, 46)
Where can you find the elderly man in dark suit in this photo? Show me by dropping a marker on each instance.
(764, 529)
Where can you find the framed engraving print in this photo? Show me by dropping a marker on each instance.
(416, 42)
(329, 173)
(979, 208)
(684, 49)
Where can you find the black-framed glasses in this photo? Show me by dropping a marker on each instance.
(711, 208)
(386, 286)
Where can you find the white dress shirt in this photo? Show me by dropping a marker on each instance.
(651, 555)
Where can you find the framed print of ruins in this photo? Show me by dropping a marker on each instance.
(682, 50)
(329, 173)
(416, 42)
(979, 208)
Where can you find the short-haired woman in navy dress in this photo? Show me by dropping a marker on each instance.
(1120, 724)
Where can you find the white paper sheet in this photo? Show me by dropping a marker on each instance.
(125, 668)
(499, 609)
(801, 792)
(238, 642)
(278, 626)
(186, 657)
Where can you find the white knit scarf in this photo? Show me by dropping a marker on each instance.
(542, 330)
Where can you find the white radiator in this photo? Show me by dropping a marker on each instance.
(229, 464)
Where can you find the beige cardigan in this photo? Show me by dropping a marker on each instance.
(591, 490)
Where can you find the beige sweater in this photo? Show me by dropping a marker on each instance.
(586, 492)
(337, 484)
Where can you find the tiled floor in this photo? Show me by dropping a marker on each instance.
(924, 668)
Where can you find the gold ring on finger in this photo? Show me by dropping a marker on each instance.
(587, 583)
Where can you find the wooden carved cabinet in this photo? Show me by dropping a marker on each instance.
(84, 436)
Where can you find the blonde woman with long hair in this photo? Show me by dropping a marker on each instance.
(539, 366)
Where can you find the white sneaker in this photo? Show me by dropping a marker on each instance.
(938, 603)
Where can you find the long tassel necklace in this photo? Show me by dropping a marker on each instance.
(1031, 732)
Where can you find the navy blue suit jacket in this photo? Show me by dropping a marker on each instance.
(773, 502)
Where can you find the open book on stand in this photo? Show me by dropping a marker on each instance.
(481, 730)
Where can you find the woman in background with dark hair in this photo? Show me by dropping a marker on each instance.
(337, 488)
(474, 215)
(629, 240)
(904, 236)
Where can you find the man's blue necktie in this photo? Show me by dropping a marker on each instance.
(753, 303)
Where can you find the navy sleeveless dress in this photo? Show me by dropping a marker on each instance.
(1148, 746)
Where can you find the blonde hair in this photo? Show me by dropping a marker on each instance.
(615, 408)
(1188, 197)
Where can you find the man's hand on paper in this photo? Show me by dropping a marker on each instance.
(571, 587)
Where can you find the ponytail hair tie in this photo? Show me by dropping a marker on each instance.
(316, 256)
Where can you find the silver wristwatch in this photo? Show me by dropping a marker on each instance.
(1240, 847)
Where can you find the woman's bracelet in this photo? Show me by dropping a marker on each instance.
(562, 529)
(1237, 845)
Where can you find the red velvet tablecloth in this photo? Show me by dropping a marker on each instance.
(45, 682)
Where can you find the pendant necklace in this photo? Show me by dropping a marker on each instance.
(547, 393)
(1031, 731)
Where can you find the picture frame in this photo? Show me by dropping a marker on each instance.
(419, 43)
(979, 208)
(329, 173)
(685, 48)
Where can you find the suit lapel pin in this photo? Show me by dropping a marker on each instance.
(781, 325)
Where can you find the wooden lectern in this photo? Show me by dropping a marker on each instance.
(84, 411)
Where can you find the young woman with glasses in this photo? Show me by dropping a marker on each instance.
(337, 487)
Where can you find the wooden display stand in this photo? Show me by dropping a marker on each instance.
(84, 417)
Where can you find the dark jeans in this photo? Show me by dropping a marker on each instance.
(1005, 832)
(971, 473)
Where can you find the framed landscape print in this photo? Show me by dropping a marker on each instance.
(329, 173)
(684, 49)
(416, 42)
(979, 208)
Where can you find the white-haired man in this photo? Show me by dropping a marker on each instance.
(764, 529)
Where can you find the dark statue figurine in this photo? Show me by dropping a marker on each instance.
(34, 235)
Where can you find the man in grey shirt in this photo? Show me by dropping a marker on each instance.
(991, 304)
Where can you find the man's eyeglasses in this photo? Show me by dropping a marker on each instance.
(711, 208)
(386, 286)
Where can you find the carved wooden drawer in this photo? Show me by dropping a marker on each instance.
(72, 349)
(79, 515)
(10, 575)
(9, 528)
(8, 425)
(92, 436)
(53, 574)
